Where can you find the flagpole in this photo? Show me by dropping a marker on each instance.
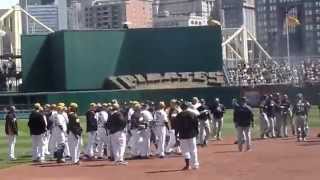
(288, 38)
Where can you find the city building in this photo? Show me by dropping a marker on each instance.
(182, 13)
(271, 27)
(46, 14)
(62, 13)
(179, 21)
(52, 13)
(237, 13)
(75, 15)
(203, 8)
(112, 14)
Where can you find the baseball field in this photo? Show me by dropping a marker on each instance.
(282, 158)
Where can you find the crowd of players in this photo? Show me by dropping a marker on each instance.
(277, 113)
(140, 130)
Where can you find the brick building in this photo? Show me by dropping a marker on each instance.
(112, 14)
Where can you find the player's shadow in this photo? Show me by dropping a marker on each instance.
(52, 165)
(310, 143)
(222, 144)
(226, 152)
(164, 171)
(97, 165)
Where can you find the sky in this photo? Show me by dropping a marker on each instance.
(5, 4)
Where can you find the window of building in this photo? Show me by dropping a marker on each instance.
(308, 12)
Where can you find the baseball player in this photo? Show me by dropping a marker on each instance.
(102, 115)
(195, 103)
(11, 130)
(187, 128)
(204, 118)
(278, 117)
(37, 126)
(116, 126)
(59, 131)
(161, 125)
(271, 115)
(218, 111)
(264, 122)
(52, 144)
(300, 112)
(136, 117)
(144, 131)
(243, 119)
(92, 128)
(173, 112)
(47, 113)
(285, 114)
(74, 133)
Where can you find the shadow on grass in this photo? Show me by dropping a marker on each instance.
(164, 171)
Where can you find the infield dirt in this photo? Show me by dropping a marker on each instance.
(272, 159)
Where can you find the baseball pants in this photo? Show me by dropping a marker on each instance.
(284, 126)
(11, 145)
(109, 148)
(264, 125)
(301, 123)
(57, 137)
(91, 143)
(133, 142)
(204, 131)
(46, 142)
(74, 145)
(143, 144)
(278, 124)
(244, 135)
(217, 127)
(38, 147)
(118, 144)
(189, 151)
(160, 133)
(101, 140)
(272, 126)
(66, 149)
(171, 146)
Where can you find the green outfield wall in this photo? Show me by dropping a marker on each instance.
(81, 60)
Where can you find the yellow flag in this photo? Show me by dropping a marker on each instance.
(293, 21)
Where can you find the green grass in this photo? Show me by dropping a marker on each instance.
(23, 146)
